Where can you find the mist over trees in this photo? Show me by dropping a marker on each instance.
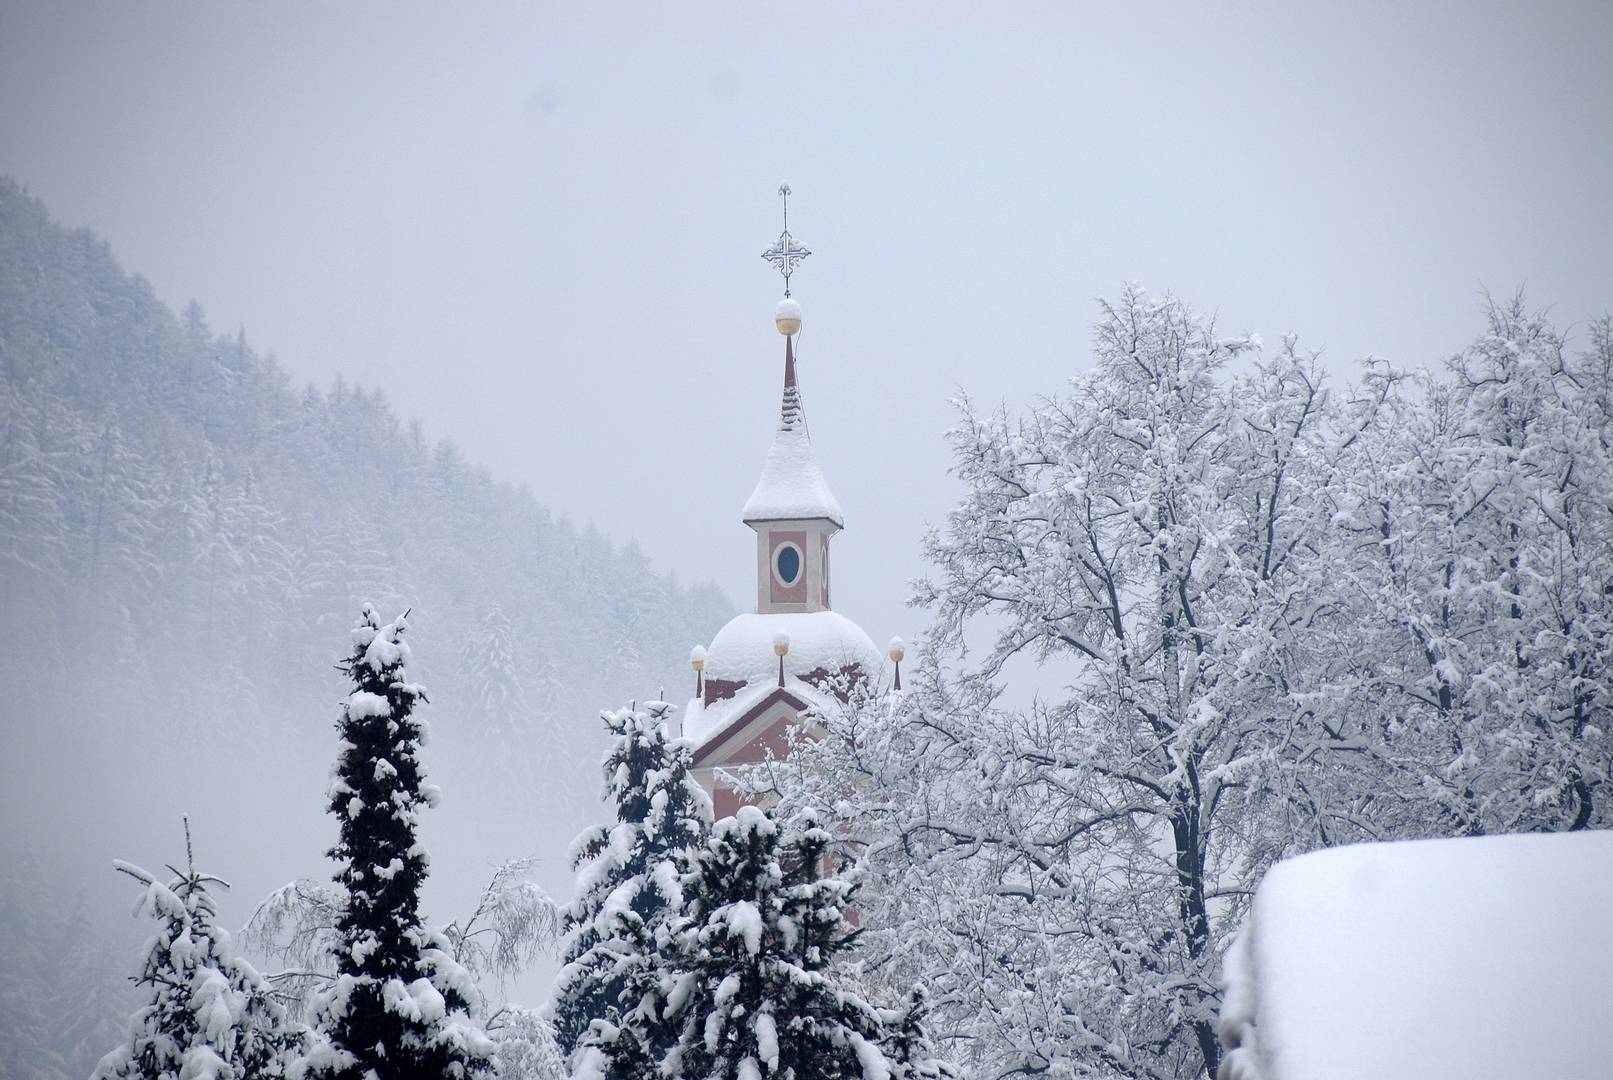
(1262, 612)
(184, 533)
(207, 1012)
(65, 994)
(174, 509)
(1291, 615)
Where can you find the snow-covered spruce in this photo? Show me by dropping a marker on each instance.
(635, 865)
(501, 711)
(753, 993)
(909, 1043)
(210, 1015)
(514, 918)
(398, 1005)
(628, 1041)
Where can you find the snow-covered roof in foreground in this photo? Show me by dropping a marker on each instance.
(1461, 959)
(792, 486)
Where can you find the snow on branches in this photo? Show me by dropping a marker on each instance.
(1286, 616)
(751, 986)
(514, 919)
(634, 866)
(398, 1004)
(211, 1016)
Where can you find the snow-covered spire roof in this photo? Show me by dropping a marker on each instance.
(792, 486)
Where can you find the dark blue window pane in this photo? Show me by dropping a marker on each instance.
(789, 564)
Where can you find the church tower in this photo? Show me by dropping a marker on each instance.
(792, 509)
(766, 670)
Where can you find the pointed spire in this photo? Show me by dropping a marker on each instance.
(792, 486)
(790, 412)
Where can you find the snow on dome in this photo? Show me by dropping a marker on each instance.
(1462, 959)
(792, 486)
(743, 650)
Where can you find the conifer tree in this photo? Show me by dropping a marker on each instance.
(754, 996)
(398, 1007)
(908, 1042)
(210, 1013)
(628, 1041)
(499, 700)
(89, 1000)
(634, 866)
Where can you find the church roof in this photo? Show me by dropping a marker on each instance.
(792, 486)
(707, 725)
(742, 651)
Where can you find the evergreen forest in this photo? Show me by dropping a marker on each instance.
(185, 536)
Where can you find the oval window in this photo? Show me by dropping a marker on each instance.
(787, 563)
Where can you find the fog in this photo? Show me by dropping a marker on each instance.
(537, 228)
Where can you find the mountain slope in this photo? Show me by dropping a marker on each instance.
(185, 539)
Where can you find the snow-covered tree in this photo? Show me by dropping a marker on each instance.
(526, 1047)
(502, 718)
(398, 1005)
(910, 1046)
(1286, 616)
(754, 992)
(210, 1014)
(514, 919)
(636, 864)
(295, 926)
(1064, 875)
(627, 1041)
(1153, 527)
(1474, 560)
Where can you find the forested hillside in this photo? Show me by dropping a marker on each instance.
(185, 539)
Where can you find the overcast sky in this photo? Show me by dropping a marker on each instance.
(538, 226)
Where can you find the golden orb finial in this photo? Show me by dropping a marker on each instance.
(781, 648)
(787, 316)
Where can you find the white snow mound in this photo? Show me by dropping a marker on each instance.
(1460, 959)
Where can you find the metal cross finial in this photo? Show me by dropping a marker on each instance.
(785, 252)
